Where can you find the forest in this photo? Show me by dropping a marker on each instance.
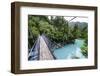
(58, 30)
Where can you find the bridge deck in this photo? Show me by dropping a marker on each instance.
(45, 53)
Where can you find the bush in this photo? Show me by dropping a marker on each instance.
(84, 50)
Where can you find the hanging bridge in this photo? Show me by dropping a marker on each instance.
(41, 50)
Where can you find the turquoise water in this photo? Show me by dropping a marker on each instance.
(70, 51)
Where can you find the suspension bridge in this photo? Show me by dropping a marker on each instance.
(41, 50)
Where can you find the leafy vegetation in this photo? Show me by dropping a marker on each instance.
(57, 29)
(84, 50)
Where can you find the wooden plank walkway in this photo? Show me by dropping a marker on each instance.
(45, 53)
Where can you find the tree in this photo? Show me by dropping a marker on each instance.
(76, 32)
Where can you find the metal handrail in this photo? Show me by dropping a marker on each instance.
(32, 49)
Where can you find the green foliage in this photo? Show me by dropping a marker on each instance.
(76, 32)
(84, 49)
(35, 31)
(84, 33)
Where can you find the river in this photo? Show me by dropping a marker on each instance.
(70, 51)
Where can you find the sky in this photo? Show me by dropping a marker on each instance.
(77, 19)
